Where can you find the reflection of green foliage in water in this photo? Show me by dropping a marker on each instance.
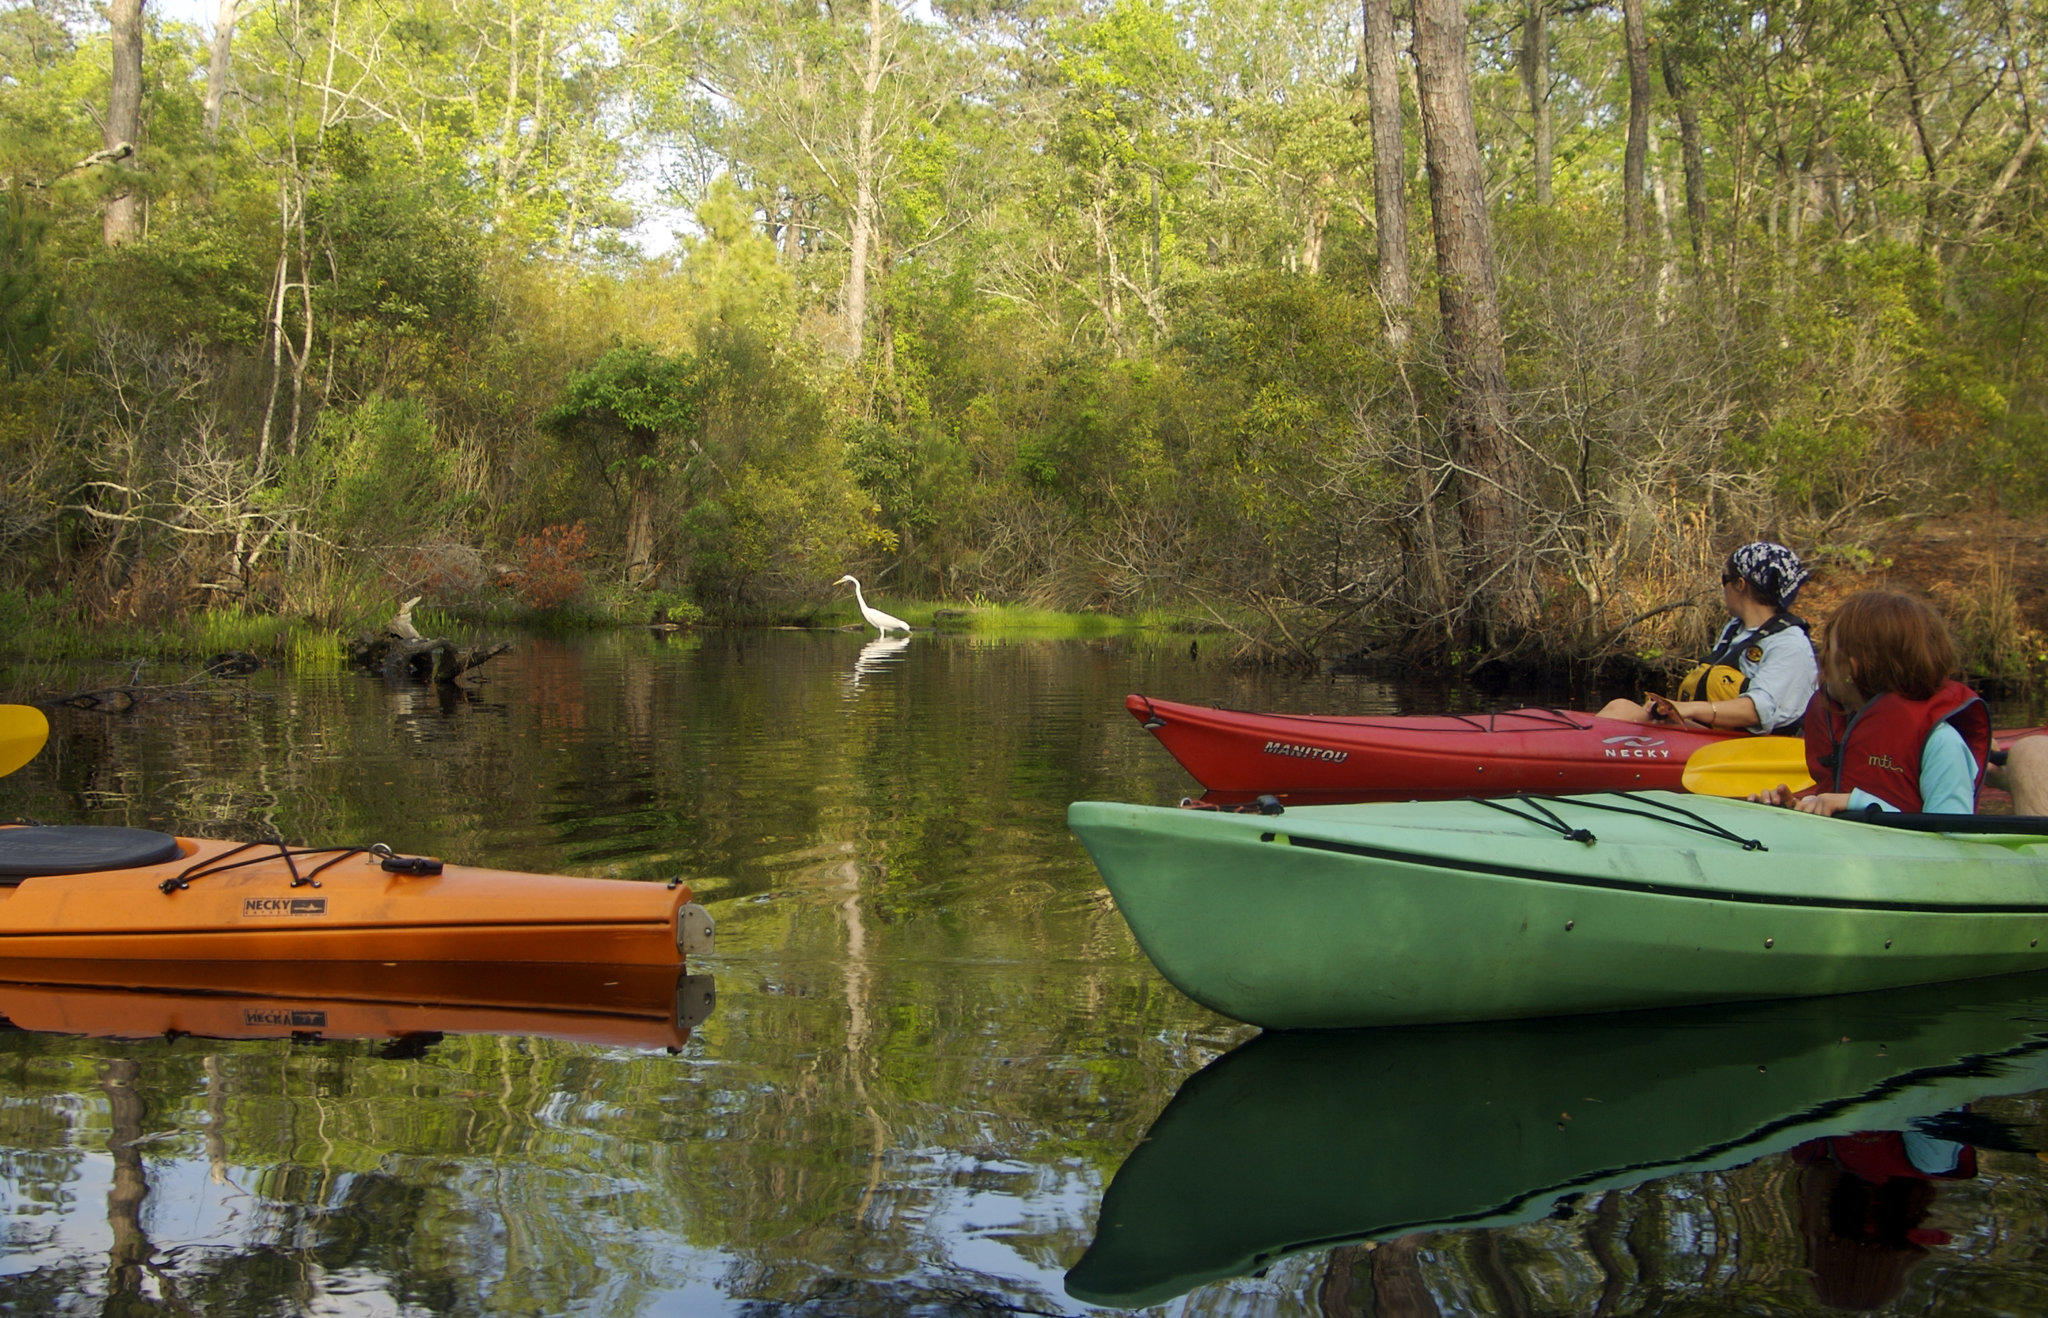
(526, 1175)
(445, 1175)
(924, 997)
(921, 988)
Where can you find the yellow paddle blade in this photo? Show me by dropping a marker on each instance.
(1742, 765)
(23, 730)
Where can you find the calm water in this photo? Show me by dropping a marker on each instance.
(930, 1071)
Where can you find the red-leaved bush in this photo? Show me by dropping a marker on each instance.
(549, 570)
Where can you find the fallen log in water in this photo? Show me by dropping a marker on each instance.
(124, 697)
(423, 659)
(401, 654)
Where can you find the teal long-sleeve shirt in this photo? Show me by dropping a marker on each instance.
(1948, 777)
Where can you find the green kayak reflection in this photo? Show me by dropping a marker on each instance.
(1300, 1141)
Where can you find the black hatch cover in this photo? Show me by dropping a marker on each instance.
(80, 849)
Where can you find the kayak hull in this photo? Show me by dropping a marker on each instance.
(1337, 916)
(635, 1006)
(1300, 1142)
(1416, 757)
(220, 901)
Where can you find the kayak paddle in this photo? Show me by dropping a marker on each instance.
(1742, 765)
(23, 730)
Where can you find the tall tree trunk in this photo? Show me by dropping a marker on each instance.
(640, 531)
(1534, 61)
(1154, 265)
(218, 68)
(864, 198)
(122, 222)
(1930, 155)
(1213, 183)
(1318, 225)
(1499, 588)
(793, 232)
(1636, 37)
(1389, 164)
(1693, 156)
(129, 1252)
(508, 125)
(2004, 180)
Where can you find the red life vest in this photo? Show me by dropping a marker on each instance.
(1878, 748)
(1878, 1156)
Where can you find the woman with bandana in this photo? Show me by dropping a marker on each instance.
(1761, 672)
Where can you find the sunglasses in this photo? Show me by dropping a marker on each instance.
(1730, 578)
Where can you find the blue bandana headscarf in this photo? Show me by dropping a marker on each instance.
(1772, 569)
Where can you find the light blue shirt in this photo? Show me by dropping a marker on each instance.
(1782, 678)
(1948, 777)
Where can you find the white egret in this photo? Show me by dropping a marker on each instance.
(880, 621)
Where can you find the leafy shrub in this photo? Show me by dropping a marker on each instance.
(672, 605)
(549, 570)
(376, 473)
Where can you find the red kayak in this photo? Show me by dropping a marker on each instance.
(1417, 756)
(1404, 757)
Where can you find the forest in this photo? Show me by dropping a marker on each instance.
(1458, 331)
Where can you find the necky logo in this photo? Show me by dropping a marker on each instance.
(1634, 748)
(283, 906)
(295, 1018)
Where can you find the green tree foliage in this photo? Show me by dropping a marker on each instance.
(374, 473)
(635, 416)
(28, 293)
(1071, 302)
(731, 267)
(406, 275)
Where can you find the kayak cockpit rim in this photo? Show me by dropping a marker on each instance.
(1735, 895)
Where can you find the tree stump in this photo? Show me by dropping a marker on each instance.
(401, 654)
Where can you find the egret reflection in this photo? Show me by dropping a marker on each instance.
(881, 653)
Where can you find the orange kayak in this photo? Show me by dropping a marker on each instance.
(633, 1007)
(103, 894)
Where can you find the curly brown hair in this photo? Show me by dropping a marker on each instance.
(1897, 642)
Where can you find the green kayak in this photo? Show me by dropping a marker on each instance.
(1434, 911)
(1300, 1141)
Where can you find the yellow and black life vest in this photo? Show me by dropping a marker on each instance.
(1717, 677)
(1713, 682)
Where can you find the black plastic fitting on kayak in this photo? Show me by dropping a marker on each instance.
(1873, 814)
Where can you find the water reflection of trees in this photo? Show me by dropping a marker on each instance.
(933, 1002)
(1735, 1241)
(487, 1177)
(523, 1175)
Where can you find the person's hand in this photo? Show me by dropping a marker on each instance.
(1823, 803)
(1660, 708)
(1781, 795)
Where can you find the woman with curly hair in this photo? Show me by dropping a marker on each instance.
(1891, 726)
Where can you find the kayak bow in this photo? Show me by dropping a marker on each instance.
(130, 894)
(1332, 916)
(1409, 757)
